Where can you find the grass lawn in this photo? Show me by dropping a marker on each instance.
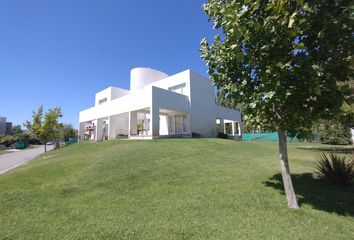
(172, 189)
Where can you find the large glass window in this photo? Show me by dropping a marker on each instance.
(177, 124)
(236, 132)
(185, 124)
(171, 124)
(180, 88)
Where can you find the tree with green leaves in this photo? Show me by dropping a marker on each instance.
(337, 130)
(45, 127)
(67, 132)
(16, 129)
(282, 60)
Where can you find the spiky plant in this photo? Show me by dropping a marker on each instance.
(337, 168)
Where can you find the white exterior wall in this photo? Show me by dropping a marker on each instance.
(110, 94)
(118, 125)
(134, 101)
(140, 77)
(179, 78)
(202, 106)
(150, 95)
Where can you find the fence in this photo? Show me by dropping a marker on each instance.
(265, 137)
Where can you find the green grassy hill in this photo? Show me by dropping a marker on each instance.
(171, 189)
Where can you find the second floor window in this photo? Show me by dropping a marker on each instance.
(180, 88)
(101, 101)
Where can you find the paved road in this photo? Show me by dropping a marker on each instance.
(11, 160)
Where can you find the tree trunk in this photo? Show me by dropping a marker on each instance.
(285, 171)
(45, 147)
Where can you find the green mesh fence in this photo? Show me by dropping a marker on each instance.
(264, 137)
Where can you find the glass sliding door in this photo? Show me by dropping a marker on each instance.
(171, 124)
(179, 124)
(185, 124)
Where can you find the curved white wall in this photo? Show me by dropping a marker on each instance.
(139, 77)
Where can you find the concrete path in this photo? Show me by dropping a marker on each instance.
(11, 160)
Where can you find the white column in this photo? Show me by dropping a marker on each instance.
(99, 130)
(95, 130)
(109, 128)
(132, 123)
(222, 125)
(146, 123)
(233, 128)
(81, 134)
(189, 123)
(155, 121)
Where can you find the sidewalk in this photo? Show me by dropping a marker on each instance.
(11, 160)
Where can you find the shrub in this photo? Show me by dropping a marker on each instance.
(34, 141)
(335, 133)
(336, 168)
(196, 135)
(222, 135)
(8, 140)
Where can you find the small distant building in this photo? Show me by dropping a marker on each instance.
(5, 127)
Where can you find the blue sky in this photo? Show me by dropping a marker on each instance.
(60, 53)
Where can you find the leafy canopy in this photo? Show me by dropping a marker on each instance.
(67, 132)
(281, 59)
(47, 128)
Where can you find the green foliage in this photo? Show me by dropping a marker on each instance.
(336, 168)
(334, 132)
(222, 135)
(281, 59)
(223, 99)
(16, 129)
(47, 128)
(67, 132)
(140, 126)
(347, 109)
(337, 129)
(8, 140)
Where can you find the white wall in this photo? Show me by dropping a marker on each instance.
(203, 117)
(140, 77)
(110, 93)
(163, 125)
(134, 101)
(164, 99)
(151, 92)
(118, 92)
(118, 124)
(226, 113)
(179, 78)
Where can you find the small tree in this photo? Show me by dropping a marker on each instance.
(45, 129)
(282, 60)
(68, 132)
(16, 129)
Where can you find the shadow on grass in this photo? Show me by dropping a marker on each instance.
(319, 193)
(343, 149)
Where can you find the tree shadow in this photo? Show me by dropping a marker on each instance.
(318, 192)
(344, 150)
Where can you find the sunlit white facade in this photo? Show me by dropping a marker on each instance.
(158, 106)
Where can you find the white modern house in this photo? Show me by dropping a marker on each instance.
(158, 106)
